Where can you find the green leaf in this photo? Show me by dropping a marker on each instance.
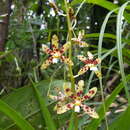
(103, 3)
(121, 122)
(96, 122)
(71, 124)
(15, 116)
(23, 100)
(106, 35)
(119, 47)
(44, 110)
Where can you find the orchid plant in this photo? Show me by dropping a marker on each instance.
(68, 100)
(72, 97)
(56, 53)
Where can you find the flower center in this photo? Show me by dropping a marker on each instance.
(77, 103)
(57, 55)
(77, 106)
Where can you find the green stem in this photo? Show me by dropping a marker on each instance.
(70, 49)
(103, 100)
(75, 119)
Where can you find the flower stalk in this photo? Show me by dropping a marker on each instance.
(70, 49)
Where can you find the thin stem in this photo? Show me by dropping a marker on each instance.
(70, 49)
(70, 56)
(103, 100)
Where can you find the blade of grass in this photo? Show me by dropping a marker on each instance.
(99, 55)
(119, 48)
(96, 122)
(96, 35)
(15, 116)
(44, 110)
(71, 124)
(106, 35)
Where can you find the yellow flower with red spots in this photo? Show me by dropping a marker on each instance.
(79, 41)
(56, 53)
(90, 63)
(68, 100)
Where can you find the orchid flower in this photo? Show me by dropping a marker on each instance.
(68, 100)
(56, 53)
(90, 63)
(79, 40)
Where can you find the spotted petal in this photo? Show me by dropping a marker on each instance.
(60, 97)
(79, 87)
(79, 42)
(91, 112)
(98, 60)
(98, 73)
(67, 89)
(65, 47)
(46, 49)
(83, 70)
(82, 58)
(66, 60)
(83, 44)
(47, 63)
(60, 108)
(90, 94)
(90, 55)
(54, 97)
(55, 41)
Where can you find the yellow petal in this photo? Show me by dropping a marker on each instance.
(83, 70)
(55, 41)
(79, 42)
(79, 87)
(67, 89)
(98, 73)
(83, 44)
(90, 94)
(65, 47)
(66, 60)
(98, 60)
(46, 63)
(46, 50)
(90, 55)
(91, 112)
(82, 58)
(64, 108)
(53, 97)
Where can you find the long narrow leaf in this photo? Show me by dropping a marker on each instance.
(44, 110)
(71, 124)
(119, 48)
(16, 117)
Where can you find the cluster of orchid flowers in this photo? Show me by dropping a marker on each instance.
(56, 54)
(68, 100)
(72, 100)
